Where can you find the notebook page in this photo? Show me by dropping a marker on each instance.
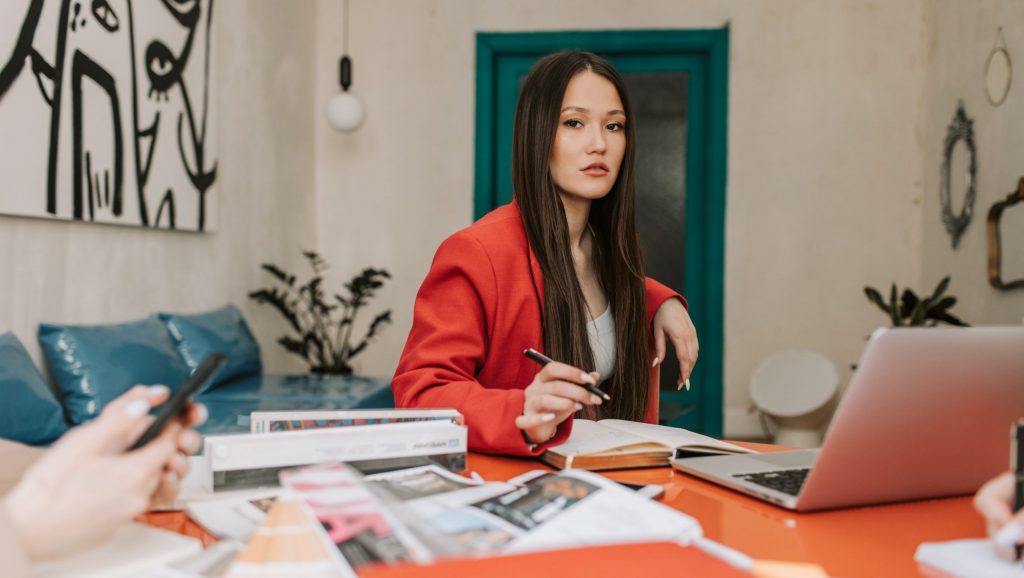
(589, 437)
(672, 437)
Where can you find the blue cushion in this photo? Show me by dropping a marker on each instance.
(93, 364)
(224, 329)
(29, 412)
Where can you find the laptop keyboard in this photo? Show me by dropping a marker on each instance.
(785, 481)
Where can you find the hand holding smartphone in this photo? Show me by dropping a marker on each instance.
(181, 397)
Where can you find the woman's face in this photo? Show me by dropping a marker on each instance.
(591, 138)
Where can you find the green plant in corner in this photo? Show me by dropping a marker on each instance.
(910, 310)
(323, 325)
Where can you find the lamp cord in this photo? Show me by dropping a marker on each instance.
(344, 27)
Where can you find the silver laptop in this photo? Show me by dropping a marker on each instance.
(927, 414)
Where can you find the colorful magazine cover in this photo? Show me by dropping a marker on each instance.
(355, 523)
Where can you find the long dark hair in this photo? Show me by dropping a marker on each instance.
(617, 253)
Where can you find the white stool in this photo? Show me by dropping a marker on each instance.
(795, 390)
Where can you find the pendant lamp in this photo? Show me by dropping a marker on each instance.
(345, 110)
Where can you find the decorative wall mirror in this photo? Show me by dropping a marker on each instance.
(961, 129)
(998, 71)
(1001, 264)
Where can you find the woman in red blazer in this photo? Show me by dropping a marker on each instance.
(559, 270)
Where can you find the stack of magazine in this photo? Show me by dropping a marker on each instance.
(370, 440)
(343, 494)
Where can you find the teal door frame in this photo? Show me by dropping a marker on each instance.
(502, 58)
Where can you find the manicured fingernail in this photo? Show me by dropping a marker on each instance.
(190, 439)
(137, 407)
(679, 387)
(687, 384)
(586, 377)
(1009, 536)
(201, 414)
(655, 362)
(546, 417)
(579, 406)
(159, 390)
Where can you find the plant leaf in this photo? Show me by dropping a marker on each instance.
(378, 321)
(279, 274)
(279, 300)
(292, 345)
(894, 313)
(909, 302)
(875, 297)
(941, 288)
(942, 306)
(919, 314)
(951, 319)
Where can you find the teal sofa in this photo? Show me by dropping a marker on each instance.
(93, 364)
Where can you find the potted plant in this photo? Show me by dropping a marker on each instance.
(322, 326)
(910, 310)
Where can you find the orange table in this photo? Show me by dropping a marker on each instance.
(875, 541)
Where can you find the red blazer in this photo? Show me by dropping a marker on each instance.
(478, 309)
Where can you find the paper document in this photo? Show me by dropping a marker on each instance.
(968, 559)
(134, 551)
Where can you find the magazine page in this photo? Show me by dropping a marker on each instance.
(133, 550)
(233, 518)
(288, 543)
(672, 437)
(589, 437)
(577, 508)
(357, 526)
(431, 488)
(274, 421)
(558, 510)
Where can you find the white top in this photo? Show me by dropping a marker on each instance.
(601, 331)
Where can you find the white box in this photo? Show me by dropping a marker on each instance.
(248, 460)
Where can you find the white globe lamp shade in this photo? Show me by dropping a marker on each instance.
(345, 111)
(796, 389)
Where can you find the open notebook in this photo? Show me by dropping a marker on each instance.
(615, 444)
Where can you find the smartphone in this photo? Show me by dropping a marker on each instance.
(178, 401)
(652, 491)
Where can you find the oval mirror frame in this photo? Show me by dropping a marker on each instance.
(962, 128)
(998, 72)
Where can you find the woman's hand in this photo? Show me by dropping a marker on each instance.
(993, 502)
(672, 322)
(176, 468)
(552, 397)
(86, 485)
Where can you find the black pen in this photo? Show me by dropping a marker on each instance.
(1017, 462)
(544, 360)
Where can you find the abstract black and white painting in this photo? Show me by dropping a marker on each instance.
(105, 112)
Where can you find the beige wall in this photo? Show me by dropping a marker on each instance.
(75, 273)
(960, 37)
(837, 112)
(825, 156)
